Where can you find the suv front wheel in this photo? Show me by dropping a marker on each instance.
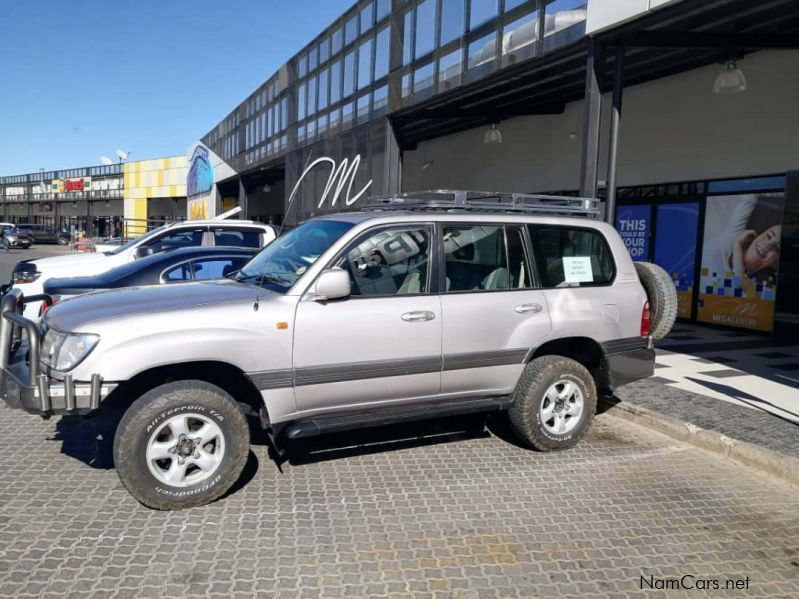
(554, 404)
(180, 445)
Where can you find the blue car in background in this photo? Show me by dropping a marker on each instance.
(185, 264)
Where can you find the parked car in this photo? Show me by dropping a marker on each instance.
(30, 275)
(44, 234)
(12, 237)
(421, 306)
(181, 265)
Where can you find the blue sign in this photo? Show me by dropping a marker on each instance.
(633, 225)
(675, 249)
(201, 173)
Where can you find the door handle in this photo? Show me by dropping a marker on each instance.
(419, 316)
(526, 308)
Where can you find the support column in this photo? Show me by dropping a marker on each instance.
(392, 183)
(615, 122)
(245, 213)
(589, 164)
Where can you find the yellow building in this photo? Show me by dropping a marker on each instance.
(154, 191)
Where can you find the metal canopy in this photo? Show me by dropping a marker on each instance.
(678, 38)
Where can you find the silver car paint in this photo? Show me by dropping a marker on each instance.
(218, 321)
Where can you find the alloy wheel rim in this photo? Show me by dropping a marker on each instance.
(562, 407)
(185, 449)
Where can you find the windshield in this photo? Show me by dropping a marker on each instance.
(129, 244)
(283, 261)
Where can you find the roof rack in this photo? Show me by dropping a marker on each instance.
(450, 200)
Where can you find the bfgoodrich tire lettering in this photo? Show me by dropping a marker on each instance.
(545, 413)
(147, 425)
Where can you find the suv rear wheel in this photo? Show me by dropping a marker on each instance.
(180, 445)
(555, 403)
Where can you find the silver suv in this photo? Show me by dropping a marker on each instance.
(421, 305)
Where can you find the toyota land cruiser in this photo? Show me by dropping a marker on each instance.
(418, 306)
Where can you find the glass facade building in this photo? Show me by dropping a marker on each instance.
(333, 98)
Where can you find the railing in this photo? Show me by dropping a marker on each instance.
(71, 196)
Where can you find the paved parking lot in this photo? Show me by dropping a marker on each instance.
(10, 258)
(441, 509)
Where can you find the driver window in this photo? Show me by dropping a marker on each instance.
(391, 262)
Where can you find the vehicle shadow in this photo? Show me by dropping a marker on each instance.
(368, 441)
(89, 439)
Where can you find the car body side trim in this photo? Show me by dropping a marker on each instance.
(337, 373)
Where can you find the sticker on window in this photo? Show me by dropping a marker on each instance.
(577, 269)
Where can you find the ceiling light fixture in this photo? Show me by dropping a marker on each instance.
(493, 135)
(731, 80)
(427, 164)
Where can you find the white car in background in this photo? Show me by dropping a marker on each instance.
(29, 276)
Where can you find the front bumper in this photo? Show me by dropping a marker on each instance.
(19, 243)
(22, 385)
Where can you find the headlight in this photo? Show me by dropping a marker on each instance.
(63, 351)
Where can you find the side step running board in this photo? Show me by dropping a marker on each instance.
(318, 425)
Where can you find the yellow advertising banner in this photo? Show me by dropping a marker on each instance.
(684, 303)
(743, 312)
(198, 209)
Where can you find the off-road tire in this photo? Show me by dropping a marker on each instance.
(524, 414)
(154, 407)
(662, 295)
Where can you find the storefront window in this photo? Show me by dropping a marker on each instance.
(335, 82)
(452, 20)
(366, 18)
(311, 96)
(301, 111)
(383, 8)
(519, 35)
(380, 101)
(336, 40)
(321, 124)
(347, 114)
(511, 4)
(313, 58)
(425, 27)
(482, 51)
(449, 70)
(365, 64)
(423, 78)
(382, 53)
(335, 118)
(324, 50)
(406, 85)
(351, 30)
(349, 74)
(323, 89)
(562, 14)
(302, 65)
(482, 11)
(406, 38)
(363, 108)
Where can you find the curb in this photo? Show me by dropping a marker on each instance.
(746, 454)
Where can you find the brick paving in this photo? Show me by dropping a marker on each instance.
(749, 424)
(457, 513)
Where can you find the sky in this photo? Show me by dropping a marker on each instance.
(83, 78)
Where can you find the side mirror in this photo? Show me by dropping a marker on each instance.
(142, 252)
(331, 284)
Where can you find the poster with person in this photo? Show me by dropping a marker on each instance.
(740, 260)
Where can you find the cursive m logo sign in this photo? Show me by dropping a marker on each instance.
(341, 175)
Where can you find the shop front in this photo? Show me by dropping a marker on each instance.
(720, 240)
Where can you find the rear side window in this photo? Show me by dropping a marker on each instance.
(179, 273)
(477, 258)
(216, 268)
(247, 238)
(571, 257)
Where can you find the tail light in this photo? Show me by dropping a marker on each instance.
(646, 320)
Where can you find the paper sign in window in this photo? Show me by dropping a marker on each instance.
(577, 269)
